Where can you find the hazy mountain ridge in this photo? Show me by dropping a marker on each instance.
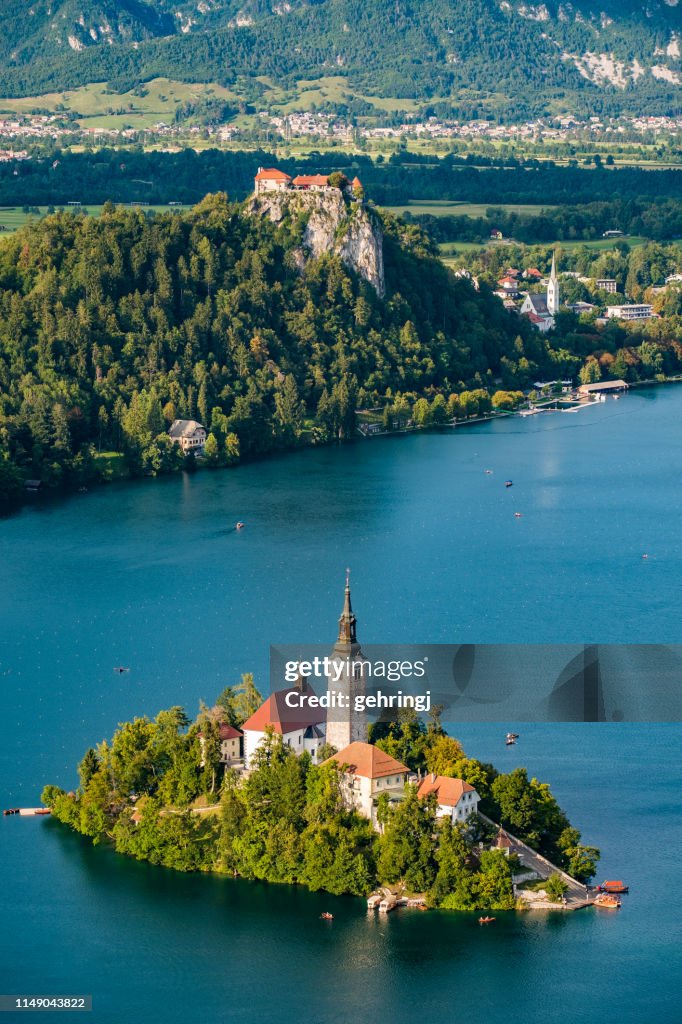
(431, 50)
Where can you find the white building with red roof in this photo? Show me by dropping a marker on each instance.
(367, 773)
(457, 800)
(270, 179)
(302, 728)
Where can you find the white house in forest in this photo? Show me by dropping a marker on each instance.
(301, 728)
(457, 799)
(367, 773)
(189, 434)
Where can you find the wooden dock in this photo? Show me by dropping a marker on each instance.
(27, 812)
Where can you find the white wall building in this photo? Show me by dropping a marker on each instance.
(457, 800)
(369, 772)
(643, 311)
(301, 728)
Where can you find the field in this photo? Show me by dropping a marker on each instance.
(13, 217)
(448, 208)
(98, 107)
(449, 250)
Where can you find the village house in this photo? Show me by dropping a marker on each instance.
(643, 311)
(301, 728)
(367, 773)
(230, 744)
(189, 434)
(457, 800)
(606, 284)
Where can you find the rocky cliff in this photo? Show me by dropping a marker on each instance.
(330, 225)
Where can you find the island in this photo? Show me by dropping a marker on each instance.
(254, 789)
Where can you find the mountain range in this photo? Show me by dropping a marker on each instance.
(438, 55)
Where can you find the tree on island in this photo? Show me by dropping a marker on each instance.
(556, 887)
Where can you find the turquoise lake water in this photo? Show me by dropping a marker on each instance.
(152, 576)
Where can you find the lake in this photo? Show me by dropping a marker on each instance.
(153, 576)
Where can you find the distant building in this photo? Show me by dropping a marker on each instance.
(269, 179)
(496, 235)
(606, 284)
(367, 773)
(604, 385)
(311, 182)
(612, 233)
(540, 309)
(346, 682)
(457, 800)
(643, 311)
(189, 434)
(581, 307)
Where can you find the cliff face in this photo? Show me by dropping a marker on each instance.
(352, 233)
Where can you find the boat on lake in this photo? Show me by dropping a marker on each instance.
(607, 901)
(486, 920)
(326, 916)
(508, 483)
(613, 887)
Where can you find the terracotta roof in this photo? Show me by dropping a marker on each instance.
(356, 182)
(448, 791)
(503, 842)
(271, 174)
(283, 719)
(228, 732)
(310, 179)
(367, 760)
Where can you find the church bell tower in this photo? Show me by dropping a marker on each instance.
(346, 679)
(553, 289)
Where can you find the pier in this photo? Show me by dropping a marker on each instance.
(27, 812)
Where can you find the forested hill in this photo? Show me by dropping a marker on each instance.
(111, 327)
(507, 55)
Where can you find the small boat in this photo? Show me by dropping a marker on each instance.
(609, 902)
(613, 887)
(508, 483)
(616, 398)
(512, 736)
(326, 916)
(510, 742)
(120, 669)
(518, 515)
(239, 526)
(486, 920)
(488, 472)
(11, 810)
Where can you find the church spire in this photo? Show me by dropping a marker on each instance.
(552, 272)
(347, 619)
(553, 300)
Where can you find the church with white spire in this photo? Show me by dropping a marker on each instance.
(541, 309)
(346, 679)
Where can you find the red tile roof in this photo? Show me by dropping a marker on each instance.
(283, 719)
(228, 732)
(271, 174)
(448, 791)
(305, 180)
(367, 760)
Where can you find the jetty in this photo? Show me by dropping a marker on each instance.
(386, 901)
(27, 812)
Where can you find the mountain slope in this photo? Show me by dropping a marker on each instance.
(490, 51)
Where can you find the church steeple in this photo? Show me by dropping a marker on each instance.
(347, 619)
(553, 299)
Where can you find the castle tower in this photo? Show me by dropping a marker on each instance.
(346, 678)
(553, 289)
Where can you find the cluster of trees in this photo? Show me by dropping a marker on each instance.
(157, 792)
(657, 218)
(112, 327)
(645, 198)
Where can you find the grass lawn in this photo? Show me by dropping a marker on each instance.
(13, 217)
(111, 465)
(454, 208)
(100, 108)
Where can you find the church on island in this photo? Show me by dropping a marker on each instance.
(340, 735)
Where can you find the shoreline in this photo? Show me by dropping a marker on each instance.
(47, 496)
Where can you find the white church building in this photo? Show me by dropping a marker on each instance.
(541, 309)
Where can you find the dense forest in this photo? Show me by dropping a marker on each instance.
(504, 57)
(132, 175)
(158, 792)
(112, 327)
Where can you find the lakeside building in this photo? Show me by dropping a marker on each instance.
(189, 434)
(368, 772)
(301, 728)
(643, 311)
(605, 385)
(230, 744)
(457, 799)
